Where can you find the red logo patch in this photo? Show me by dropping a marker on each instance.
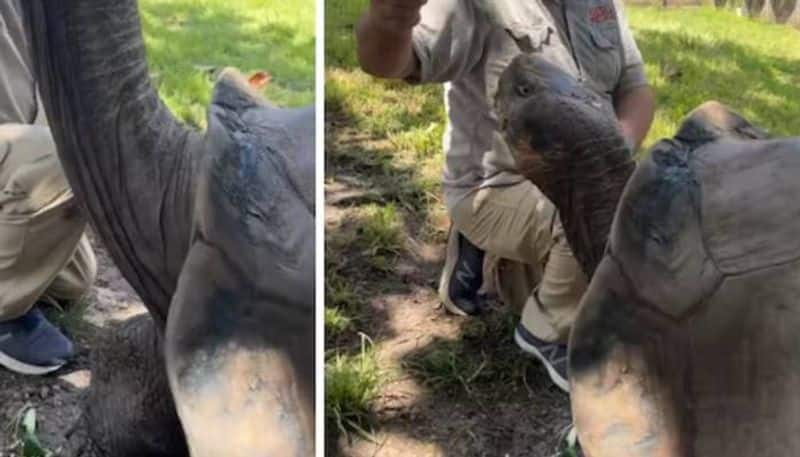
(602, 14)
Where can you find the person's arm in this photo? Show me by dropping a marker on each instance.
(635, 109)
(634, 101)
(384, 38)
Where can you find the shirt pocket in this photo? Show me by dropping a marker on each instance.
(601, 57)
(503, 50)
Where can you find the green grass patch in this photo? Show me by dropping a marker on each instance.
(407, 121)
(341, 293)
(446, 367)
(352, 384)
(186, 38)
(371, 234)
(343, 305)
(383, 108)
(407, 178)
(484, 356)
(380, 230)
(698, 54)
(341, 17)
(336, 322)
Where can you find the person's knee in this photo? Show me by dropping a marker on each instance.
(77, 278)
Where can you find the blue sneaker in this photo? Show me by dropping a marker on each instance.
(32, 345)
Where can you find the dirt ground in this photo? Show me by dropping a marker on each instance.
(493, 402)
(57, 397)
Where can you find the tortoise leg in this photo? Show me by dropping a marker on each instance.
(625, 376)
(129, 410)
(239, 378)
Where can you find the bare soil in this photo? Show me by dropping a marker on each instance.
(57, 397)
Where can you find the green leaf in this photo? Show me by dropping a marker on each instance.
(31, 446)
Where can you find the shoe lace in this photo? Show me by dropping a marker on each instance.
(554, 353)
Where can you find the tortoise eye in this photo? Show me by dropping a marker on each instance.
(523, 90)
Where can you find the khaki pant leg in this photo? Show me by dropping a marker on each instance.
(514, 282)
(519, 227)
(77, 277)
(550, 311)
(40, 224)
(513, 225)
(512, 222)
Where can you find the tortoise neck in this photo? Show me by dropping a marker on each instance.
(585, 184)
(127, 158)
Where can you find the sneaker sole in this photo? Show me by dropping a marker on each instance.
(562, 383)
(23, 368)
(451, 307)
(444, 295)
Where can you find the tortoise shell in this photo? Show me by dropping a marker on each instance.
(686, 343)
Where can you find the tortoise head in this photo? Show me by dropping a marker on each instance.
(547, 108)
(565, 140)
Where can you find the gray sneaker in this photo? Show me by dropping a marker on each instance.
(552, 355)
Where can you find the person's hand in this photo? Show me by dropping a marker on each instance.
(384, 38)
(395, 15)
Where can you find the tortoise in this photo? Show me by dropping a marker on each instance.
(214, 230)
(686, 341)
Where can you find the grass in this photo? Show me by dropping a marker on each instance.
(448, 368)
(409, 121)
(336, 321)
(379, 232)
(352, 384)
(343, 306)
(752, 66)
(187, 39)
(469, 365)
(385, 137)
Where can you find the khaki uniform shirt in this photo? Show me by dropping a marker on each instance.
(457, 44)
